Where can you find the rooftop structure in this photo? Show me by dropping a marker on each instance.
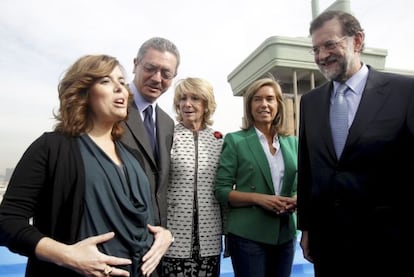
(288, 60)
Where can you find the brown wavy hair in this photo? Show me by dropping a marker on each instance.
(73, 117)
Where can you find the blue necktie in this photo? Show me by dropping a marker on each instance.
(339, 119)
(150, 127)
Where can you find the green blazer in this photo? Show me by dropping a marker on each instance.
(243, 166)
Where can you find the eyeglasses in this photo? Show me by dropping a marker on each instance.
(329, 45)
(151, 69)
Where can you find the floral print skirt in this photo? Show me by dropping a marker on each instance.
(192, 267)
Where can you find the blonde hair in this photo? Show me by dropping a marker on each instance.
(201, 88)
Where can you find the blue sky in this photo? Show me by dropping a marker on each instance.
(41, 38)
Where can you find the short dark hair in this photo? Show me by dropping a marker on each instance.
(160, 44)
(350, 25)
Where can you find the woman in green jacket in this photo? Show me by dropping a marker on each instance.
(256, 183)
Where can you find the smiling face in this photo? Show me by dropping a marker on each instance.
(108, 98)
(154, 73)
(264, 106)
(338, 56)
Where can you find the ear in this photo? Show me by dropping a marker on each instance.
(135, 65)
(358, 42)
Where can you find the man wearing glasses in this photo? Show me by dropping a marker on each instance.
(149, 129)
(356, 159)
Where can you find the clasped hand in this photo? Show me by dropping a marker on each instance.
(278, 204)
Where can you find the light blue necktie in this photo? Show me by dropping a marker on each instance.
(339, 119)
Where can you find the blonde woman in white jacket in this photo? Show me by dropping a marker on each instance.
(194, 215)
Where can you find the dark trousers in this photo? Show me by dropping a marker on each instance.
(250, 258)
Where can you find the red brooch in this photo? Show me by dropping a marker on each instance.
(218, 135)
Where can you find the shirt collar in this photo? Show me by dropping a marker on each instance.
(357, 81)
(140, 101)
(262, 138)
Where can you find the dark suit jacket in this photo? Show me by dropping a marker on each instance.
(362, 200)
(243, 163)
(135, 136)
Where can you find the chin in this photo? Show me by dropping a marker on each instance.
(121, 117)
(332, 76)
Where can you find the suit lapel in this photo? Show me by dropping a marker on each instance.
(258, 154)
(137, 129)
(162, 132)
(288, 157)
(319, 108)
(372, 100)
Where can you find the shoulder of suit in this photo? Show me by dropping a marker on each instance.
(292, 141)
(164, 115)
(289, 138)
(237, 135)
(390, 78)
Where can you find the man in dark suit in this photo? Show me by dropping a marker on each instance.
(354, 205)
(155, 66)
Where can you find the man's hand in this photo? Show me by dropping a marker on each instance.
(304, 244)
(162, 241)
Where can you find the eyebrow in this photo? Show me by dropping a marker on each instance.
(158, 66)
